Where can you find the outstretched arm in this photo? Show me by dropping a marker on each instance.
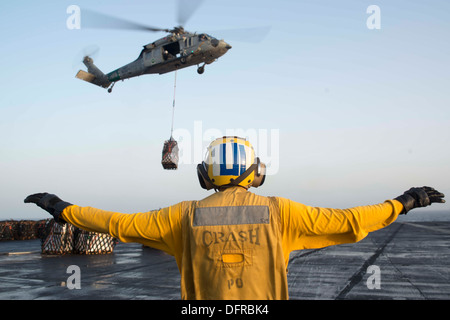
(159, 229)
(306, 227)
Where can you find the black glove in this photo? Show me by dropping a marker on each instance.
(50, 203)
(419, 197)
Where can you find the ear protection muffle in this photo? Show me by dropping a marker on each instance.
(260, 176)
(203, 178)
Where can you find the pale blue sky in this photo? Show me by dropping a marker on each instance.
(362, 114)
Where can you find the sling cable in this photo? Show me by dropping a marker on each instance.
(170, 150)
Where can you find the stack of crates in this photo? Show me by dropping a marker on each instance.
(66, 238)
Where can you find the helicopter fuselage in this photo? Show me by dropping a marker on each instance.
(172, 53)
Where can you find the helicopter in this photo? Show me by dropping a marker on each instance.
(179, 49)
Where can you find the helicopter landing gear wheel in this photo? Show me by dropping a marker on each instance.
(110, 88)
(201, 69)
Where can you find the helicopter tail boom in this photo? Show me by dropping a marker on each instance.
(94, 75)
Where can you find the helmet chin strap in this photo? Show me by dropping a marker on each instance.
(234, 182)
(242, 177)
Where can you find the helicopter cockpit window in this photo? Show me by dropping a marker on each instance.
(188, 42)
(203, 37)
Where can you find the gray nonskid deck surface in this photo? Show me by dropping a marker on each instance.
(413, 260)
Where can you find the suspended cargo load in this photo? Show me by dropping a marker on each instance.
(170, 150)
(170, 154)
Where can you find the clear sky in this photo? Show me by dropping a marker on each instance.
(352, 115)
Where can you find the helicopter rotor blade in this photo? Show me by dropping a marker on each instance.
(96, 20)
(252, 34)
(186, 9)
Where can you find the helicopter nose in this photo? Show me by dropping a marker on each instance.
(225, 45)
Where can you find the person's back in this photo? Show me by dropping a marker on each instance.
(232, 248)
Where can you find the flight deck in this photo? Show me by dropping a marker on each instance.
(404, 261)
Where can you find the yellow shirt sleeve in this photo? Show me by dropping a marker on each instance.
(159, 229)
(305, 227)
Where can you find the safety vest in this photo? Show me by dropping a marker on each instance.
(233, 251)
(235, 244)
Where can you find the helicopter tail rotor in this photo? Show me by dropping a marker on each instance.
(89, 50)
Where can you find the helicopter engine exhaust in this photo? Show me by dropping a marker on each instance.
(94, 74)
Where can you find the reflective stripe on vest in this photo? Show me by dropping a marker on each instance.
(215, 216)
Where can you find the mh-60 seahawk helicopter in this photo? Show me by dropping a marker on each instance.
(179, 49)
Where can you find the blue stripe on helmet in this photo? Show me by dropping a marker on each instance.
(224, 171)
(243, 159)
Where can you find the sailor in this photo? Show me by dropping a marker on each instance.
(235, 244)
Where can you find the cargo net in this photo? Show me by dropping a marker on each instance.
(170, 155)
(21, 230)
(66, 238)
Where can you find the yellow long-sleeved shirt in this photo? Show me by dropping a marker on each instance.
(223, 242)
